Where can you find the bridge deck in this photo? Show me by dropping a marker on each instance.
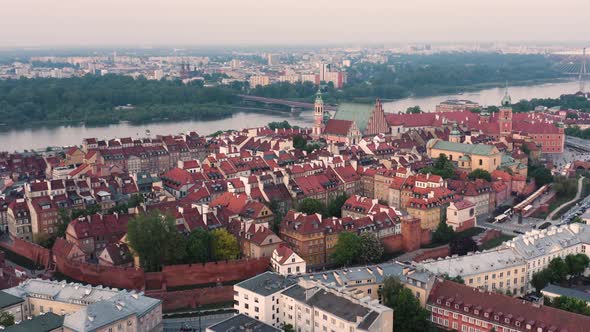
(290, 103)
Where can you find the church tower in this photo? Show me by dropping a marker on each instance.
(318, 116)
(505, 115)
(455, 134)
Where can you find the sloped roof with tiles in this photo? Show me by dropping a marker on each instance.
(518, 312)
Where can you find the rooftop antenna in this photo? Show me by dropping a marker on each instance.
(583, 72)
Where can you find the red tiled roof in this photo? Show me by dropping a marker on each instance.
(338, 127)
(505, 307)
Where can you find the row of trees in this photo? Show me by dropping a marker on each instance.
(569, 304)
(420, 75)
(93, 99)
(578, 132)
(156, 240)
(560, 270)
(354, 249)
(564, 102)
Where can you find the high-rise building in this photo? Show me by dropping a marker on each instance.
(324, 68)
(272, 59)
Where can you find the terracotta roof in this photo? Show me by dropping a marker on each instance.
(503, 306)
(338, 127)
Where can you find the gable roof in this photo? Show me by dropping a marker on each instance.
(358, 113)
(338, 127)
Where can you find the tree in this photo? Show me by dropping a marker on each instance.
(541, 174)
(558, 269)
(442, 167)
(480, 174)
(198, 246)
(279, 125)
(44, 240)
(409, 315)
(462, 245)
(135, 200)
(287, 328)
(541, 279)
(335, 206)
(457, 279)
(569, 304)
(154, 238)
(299, 142)
(225, 245)
(443, 233)
(347, 249)
(414, 110)
(577, 264)
(6, 319)
(371, 248)
(311, 206)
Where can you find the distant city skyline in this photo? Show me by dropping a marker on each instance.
(39, 23)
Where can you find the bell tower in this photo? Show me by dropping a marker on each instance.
(505, 115)
(318, 116)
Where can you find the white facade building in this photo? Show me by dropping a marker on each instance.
(285, 261)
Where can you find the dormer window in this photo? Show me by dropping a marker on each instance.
(457, 306)
(466, 309)
(476, 312)
(448, 304)
(486, 315)
(507, 320)
(496, 317)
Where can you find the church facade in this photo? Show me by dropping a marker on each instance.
(350, 123)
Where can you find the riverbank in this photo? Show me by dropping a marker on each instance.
(40, 135)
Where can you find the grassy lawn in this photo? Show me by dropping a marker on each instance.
(493, 243)
(585, 192)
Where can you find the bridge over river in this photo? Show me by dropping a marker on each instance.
(295, 106)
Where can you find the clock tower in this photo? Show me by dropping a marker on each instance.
(505, 115)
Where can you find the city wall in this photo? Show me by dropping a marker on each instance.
(201, 283)
(35, 253)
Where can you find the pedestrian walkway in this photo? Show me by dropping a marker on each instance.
(578, 195)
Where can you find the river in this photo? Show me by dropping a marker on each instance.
(40, 137)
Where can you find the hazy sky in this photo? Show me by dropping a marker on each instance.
(205, 22)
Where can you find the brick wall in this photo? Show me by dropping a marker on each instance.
(394, 243)
(32, 251)
(434, 253)
(192, 298)
(214, 272)
(129, 278)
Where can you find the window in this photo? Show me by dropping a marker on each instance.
(480, 162)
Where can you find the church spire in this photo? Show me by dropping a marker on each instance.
(506, 101)
(318, 97)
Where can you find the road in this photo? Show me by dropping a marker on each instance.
(578, 194)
